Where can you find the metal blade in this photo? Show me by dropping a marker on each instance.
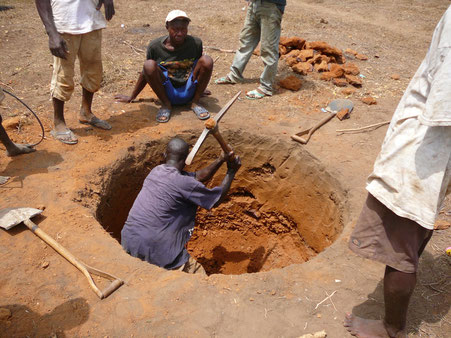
(205, 132)
(13, 216)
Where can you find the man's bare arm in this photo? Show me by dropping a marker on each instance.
(205, 174)
(139, 86)
(232, 167)
(57, 45)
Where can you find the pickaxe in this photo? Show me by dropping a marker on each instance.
(211, 126)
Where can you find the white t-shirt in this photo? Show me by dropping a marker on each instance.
(77, 16)
(412, 172)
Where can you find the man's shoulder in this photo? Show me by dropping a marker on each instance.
(156, 42)
(194, 39)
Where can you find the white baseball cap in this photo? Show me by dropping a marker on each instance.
(175, 14)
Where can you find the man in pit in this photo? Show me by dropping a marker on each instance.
(175, 69)
(161, 220)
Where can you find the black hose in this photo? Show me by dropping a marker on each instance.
(37, 118)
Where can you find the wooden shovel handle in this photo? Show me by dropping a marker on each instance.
(79, 265)
(312, 130)
(225, 147)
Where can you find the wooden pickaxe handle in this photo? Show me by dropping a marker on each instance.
(225, 147)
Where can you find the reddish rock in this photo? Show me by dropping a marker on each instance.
(361, 57)
(325, 48)
(351, 51)
(351, 68)
(326, 76)
(305, 54)
(291, 61)
(340, 82)
(293, 53)
(291, 82)
(12, 123)
(348, 91)
(343, 114)
(337, 70)
(441, 224)
(395, 76)
(283, 50)
(293, 42)
(369, 100)
(321, 67)
(256, 51)
(302, 68)
(353, 80)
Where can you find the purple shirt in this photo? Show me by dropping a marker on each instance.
(161, 219)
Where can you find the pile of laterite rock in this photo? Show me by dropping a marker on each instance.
(305, 57)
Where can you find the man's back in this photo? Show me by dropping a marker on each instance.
(162, 216)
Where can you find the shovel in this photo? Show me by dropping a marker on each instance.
(12, 216)
(333, 108)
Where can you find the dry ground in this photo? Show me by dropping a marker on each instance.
(70, 180)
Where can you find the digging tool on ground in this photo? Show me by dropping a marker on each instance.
(333, 108)
(215, 132)
(12, 216)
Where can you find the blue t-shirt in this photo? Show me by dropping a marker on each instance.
(161, 219)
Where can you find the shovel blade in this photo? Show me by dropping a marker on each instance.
(10, 217)
(338, 104)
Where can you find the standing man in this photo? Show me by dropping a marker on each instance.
(75, 28)
(262, 23)
(161, 220)
(175, 69)
(408, 185)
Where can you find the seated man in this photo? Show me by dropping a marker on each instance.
(175, 69)
(161, 220)
(12, 149)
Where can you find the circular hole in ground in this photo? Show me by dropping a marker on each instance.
(283, 208)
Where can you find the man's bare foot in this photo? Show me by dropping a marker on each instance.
(365, 328)
(19, 149)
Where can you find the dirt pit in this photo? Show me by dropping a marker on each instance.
(283, 208)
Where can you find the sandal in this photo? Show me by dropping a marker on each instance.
(4, 179)
(199, 111)
(163, 115)
(224, 80)
(255, 95)
(67, 136)
(98, 123)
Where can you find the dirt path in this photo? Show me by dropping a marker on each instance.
(285, 183)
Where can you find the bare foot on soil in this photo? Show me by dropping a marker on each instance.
(365, 328)
(19, 149)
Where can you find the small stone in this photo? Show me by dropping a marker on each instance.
(321, 67)
(369, 100)
(204, 233)
(251, 299)
(343, 114)
(351, 69)
(340, 82)
(353, 80)
(362, 57)
(336, 70)
(45, 265)
(302, 68)
(441, 224)
(348, 91)
(5, 313)
(273, 292)
(351, 51)
(395, 76)
(326, 76)
(12, 123)
(291, 82)
(319, 315)
(324, 21)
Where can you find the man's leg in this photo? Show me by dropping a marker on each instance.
(271, 19)
(203, 70)
(383, 236)
(13, 149)
(61, 89)
(90, 58)
(155, 78)
(249, 39)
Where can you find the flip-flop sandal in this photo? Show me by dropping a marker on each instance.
(255, 95)
(224, 80)
(4, 179)
(199, 110)
(98, 123)
(163, 115)
(67, 136)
